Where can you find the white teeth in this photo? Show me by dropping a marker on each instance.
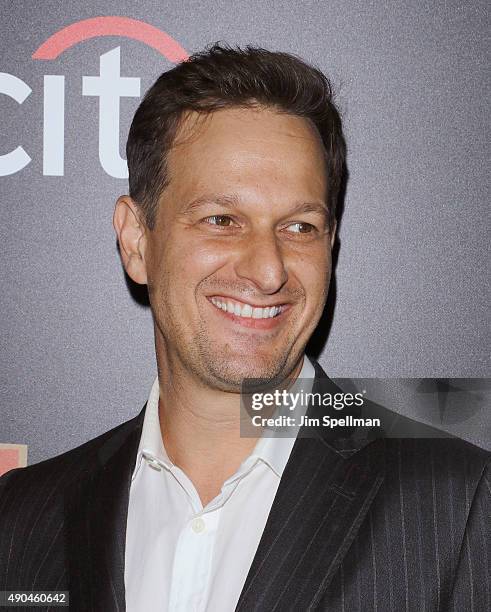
(257, 313)
(246, 310)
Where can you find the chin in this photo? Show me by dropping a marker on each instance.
(229, 375)
(225, 364)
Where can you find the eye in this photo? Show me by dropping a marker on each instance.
(301, 228)
(220, 220)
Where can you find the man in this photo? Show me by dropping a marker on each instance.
(235, 165)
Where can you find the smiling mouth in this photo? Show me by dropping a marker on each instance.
(245, 310)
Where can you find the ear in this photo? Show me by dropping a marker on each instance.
(130, 230)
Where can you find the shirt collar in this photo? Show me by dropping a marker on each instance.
(272, 449)
(151, 446)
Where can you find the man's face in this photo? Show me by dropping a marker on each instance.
(238, 264)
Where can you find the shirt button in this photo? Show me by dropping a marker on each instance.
(198, 525)
(153, 463)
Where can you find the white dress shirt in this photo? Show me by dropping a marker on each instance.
(181, 556)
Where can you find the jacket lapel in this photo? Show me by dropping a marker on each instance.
(96, 511)
(325, 492)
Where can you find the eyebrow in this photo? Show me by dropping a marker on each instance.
(232, 202)
(227, 201)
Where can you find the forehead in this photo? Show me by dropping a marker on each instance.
(246, 149)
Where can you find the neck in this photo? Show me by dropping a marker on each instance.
(201, 427)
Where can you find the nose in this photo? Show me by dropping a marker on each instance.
(261, 263)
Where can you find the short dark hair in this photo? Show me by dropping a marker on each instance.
(225, 77)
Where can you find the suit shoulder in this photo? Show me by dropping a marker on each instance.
(62, 469)
(454, 447)
(443, 459)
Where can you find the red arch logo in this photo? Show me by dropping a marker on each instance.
(94, 27)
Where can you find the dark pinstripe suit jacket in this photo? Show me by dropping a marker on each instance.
(358, 524)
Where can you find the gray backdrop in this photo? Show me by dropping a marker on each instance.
(412, 282)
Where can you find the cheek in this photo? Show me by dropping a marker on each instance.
(198, 261)
(184, 266)
(313, 271)
(316, 290)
